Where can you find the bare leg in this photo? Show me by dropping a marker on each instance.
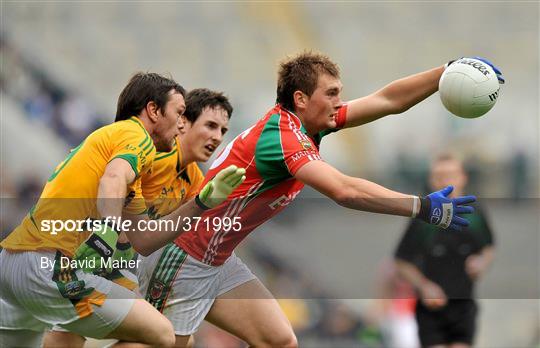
(144, 324)
(60, 339)
(251, 313)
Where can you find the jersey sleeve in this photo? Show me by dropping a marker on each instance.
(341, 118)
(282, 148)
(197, 179)
(136, 147)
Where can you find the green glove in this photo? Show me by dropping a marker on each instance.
(97, 249)
(220, 187)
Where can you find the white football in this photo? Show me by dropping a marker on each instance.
(469, 88)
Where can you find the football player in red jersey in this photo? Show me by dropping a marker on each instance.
(280, 153)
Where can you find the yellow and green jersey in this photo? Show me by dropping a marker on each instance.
(71, 191)
(169, 184)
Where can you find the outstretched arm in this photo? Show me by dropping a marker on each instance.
(394, 98)
(355, 193)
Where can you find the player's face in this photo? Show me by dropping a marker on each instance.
(322, 106)
(169, 124)
(448, 172)
(204, 136)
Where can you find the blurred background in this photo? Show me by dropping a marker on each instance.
(63, 65)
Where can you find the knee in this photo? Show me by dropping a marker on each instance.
(283, 339)
(163, 335)
(288, 341)
(62, 339)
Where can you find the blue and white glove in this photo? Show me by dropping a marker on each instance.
(440, 210)
(497, 70)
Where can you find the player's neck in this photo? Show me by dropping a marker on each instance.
(310, 131)
(147, 124)
(186, 155)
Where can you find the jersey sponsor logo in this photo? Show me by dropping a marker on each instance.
(152, 213)
(300, 154)
(166, 190)
(142, 157)
(283, 200)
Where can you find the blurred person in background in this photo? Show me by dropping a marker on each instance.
(443, 266)
(392, 312)
(281, 153)
(175, 177)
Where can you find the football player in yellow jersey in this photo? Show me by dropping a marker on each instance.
(175, 177)
(41, 284)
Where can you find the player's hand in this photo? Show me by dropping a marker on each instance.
(474, 266)
(494, 67)
(497, 71)
(440, 210)
(432, 295)
(97, 248)
(220, 187)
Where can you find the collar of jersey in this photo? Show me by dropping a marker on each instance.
(299, 122)
(136, 120)
(179, 164)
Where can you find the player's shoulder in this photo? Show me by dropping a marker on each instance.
(132, 124)
(130, 128)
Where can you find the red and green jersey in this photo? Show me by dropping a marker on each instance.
(271, 151)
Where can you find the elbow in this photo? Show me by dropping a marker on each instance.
(141, 247)
(142, 250)
(342, 196)
(398, 107)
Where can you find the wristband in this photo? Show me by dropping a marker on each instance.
(123, 246)
(425, 207)
(200, 203)
(416, 206)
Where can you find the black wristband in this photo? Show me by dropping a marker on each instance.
(425, 207)
(200, 203)
(123, 246)
(99, 245)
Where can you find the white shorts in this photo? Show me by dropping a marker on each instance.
(35, 296)
(122, 277)
(183, 288)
